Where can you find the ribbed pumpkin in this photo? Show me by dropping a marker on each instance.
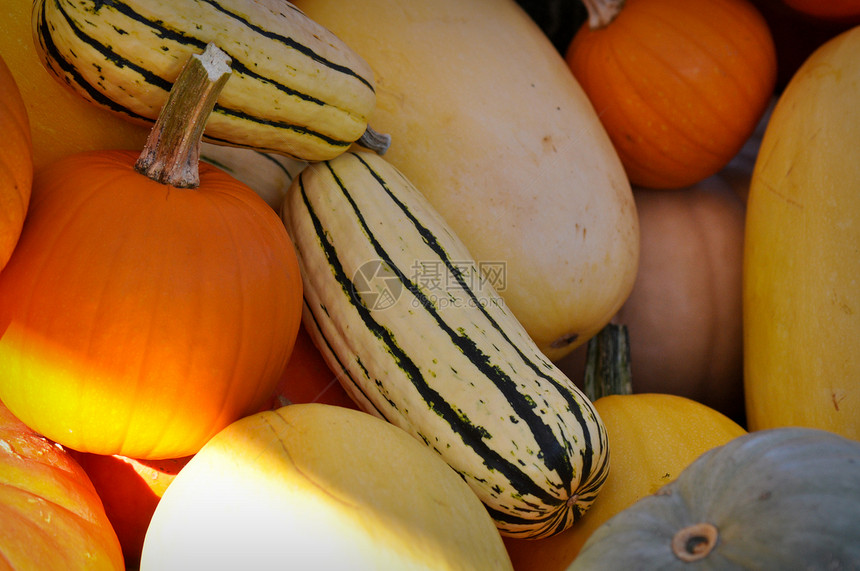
(678, 85)
(51, 518)
(314, 486)
(785, 498)
(140, 317)
(16, 163)
(801, 262)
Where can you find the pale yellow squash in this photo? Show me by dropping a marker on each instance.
(315, 486)
(487, 120)
(801, 291)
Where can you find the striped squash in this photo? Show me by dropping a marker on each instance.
(296, 88)
(420, 338)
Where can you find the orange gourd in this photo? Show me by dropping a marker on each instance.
(51, 518)
(654, 437)
(16, 163)
(679, 86)
(140, 317)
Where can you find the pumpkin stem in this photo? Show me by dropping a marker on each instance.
(607, 363)
(695, 541)
(171, 154)
(602, 12)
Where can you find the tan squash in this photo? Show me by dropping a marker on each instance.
(487, 120)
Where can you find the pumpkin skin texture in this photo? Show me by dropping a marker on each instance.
(654, 437)
(486, 120)
(801, 263)
(678, 85)
(62, 122)
(51, 517)
(139, 318)
(782, 498)
(16, 163)
(314, 486)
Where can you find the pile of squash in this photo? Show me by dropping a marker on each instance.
(660, 195)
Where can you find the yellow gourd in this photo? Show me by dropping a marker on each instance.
(487, 120)
(801, 291)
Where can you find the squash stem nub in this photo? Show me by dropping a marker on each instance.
(375, 141)
(607, 363)
(171, 154)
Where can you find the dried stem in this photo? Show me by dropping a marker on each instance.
(607, 365)
(172, 151)
(602, 12)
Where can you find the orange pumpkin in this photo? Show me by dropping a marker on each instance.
(16, 163)
(138, 317)
(130, 490)
(678, 85)
(51, 517)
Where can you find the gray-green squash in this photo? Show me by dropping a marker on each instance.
(784, 498)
